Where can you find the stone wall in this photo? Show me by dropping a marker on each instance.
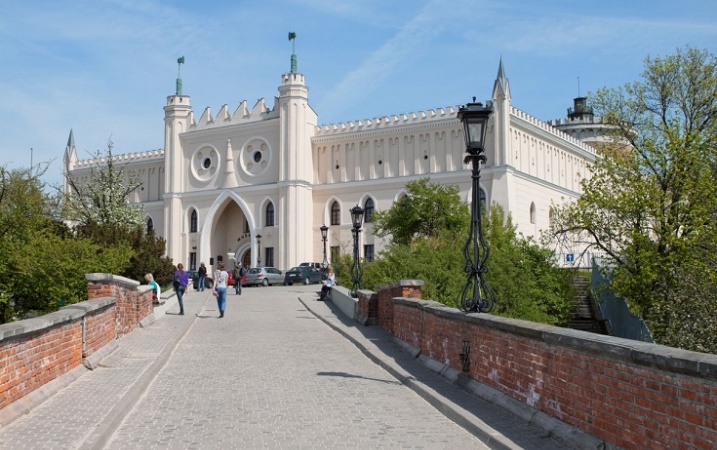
(34, 352)
(627, 394)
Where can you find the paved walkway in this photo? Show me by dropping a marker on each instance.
(281, 370)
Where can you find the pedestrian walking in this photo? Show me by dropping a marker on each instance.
(220, 289)
(181, 280)
(202, 275)
(239, 274)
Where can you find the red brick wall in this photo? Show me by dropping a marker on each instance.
(27, 362)
(131, 306)
(100, 329)
(36, 351)
(630, 394)
(403, 288)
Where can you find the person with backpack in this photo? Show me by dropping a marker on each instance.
(202, 275)
(239, 273)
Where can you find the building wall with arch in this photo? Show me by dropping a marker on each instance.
(229, 166)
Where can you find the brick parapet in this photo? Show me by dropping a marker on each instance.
(630, 394)
(132, 306)
(35, 351)
(385, 295)
(367, 312)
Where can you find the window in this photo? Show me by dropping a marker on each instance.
(335, 214)
(269, 256)
(193, 222)
(368, 252)
(368, 210)
(335, 252)
(193, 261)
(270, 215)
(150, 225)
(246, 226)
(532, 212)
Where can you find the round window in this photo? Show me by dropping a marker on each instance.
(257, 156)
(205, 162)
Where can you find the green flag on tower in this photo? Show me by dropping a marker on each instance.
(292, 35)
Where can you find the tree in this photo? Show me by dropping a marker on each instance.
(526, 281)
(426, 211)
(42, 266)
(650, 204)
(100, 205)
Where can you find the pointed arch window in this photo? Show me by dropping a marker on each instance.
(368, 210)
(335, 214)
(532, 212)
(150, 225)
(193, 222)
(270, 215)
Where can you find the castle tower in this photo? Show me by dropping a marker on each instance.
(500, 173)
(177, 116)
(296, 174)
(583, 125)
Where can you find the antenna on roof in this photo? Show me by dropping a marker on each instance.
(578, 86)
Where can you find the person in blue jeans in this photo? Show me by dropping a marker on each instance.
(202, 276)
(181, 280)
(220, 288)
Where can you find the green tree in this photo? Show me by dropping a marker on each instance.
(650, 204)
(527, 283)
(426, 211)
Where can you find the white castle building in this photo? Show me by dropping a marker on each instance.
(256, 184)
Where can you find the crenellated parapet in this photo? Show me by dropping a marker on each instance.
(148, 155)
(396, 120)
(547, 127)
(242, 114)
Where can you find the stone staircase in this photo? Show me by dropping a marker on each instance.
(584, 315)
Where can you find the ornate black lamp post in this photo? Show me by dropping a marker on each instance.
(475, 251)
(324, 232)
(356, 272)
(258, 253)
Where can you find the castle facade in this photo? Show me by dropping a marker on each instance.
(256, 184)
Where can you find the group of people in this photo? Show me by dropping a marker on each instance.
(180, 282)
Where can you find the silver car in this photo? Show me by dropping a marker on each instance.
(264, 276)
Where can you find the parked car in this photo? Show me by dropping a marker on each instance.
(315, 265)
(264, 276)
(303, 274)
(194, 280)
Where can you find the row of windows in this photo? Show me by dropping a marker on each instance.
(368, 210)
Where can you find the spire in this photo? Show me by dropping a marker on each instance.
(292, 38)
(70, 151)
(501, 88)
(71, 140)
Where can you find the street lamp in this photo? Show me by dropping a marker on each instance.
(258, 253)
(474, 117)
(324, 232)
(357, 219)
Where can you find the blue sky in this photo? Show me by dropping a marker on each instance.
(105, 67)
